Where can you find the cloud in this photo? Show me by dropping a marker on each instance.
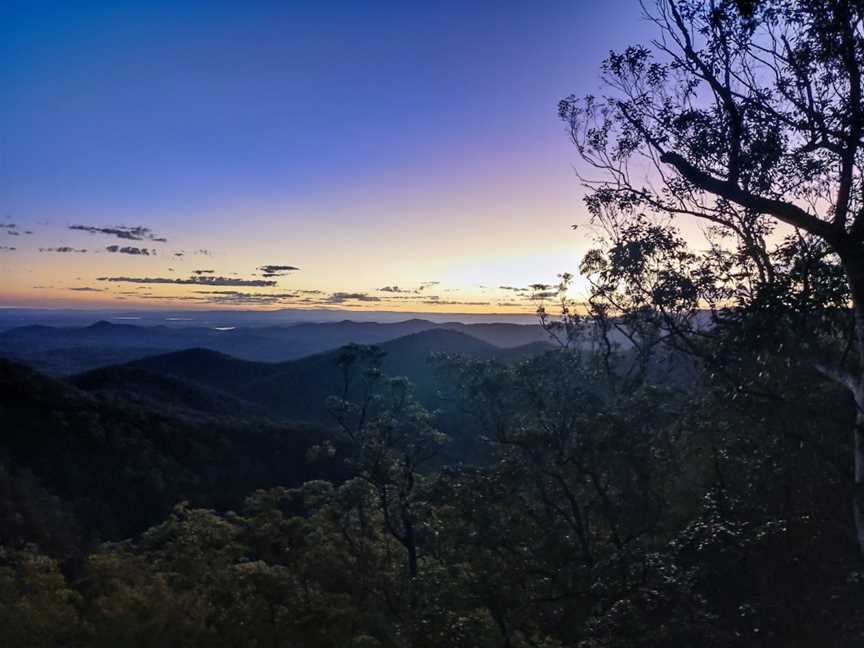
(439, 302)
(6, 248)
(425, 285)
(276, 270)
(62, 248)
(236, 297)
(202, 272)
(136, 233)
(342, 297)
(12, 229)
(397, 298)
(393, 289)
(86, 289)
(170, 298)
(543, 291)
(129, 250)
(193, 281)
(179, 254)
(514, 289)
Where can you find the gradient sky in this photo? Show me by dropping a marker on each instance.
(369, 144)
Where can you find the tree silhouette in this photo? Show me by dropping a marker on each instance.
(747, 116)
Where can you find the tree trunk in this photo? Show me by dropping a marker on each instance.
(853, 263)
(410, 547)
(858, 495)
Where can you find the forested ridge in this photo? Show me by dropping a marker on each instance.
(605, 509)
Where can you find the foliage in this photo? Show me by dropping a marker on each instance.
(663, 514)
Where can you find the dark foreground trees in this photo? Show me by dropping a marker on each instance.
(648, 512)
(752, 123)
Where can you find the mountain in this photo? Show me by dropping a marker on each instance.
(300, 388)
(69, 350)
(297, 390)
(106, 337)
(118, 465)
(205, 367)
(68, 361)
(163, 391)
(501, 334)
(15, 317)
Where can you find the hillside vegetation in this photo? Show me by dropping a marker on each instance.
(550, 502)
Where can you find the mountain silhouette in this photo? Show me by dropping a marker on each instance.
(70, 350)
(297, 390)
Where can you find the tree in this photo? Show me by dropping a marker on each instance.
(557, 528)
(37, 604)
(391, 436)
(751, 122)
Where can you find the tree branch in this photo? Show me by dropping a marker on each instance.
(787, 212)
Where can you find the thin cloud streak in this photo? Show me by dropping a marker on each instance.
(193, 281)
(342, 297)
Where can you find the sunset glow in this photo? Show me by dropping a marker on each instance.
(371, 150)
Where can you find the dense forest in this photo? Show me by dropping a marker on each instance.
(665, 507)
(680, 462)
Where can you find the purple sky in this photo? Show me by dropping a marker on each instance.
(370, 145)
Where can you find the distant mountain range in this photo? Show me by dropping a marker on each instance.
(70, 350)
(292, 390)
(120, 445)
(15, 317)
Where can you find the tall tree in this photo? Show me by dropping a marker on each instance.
(751, 121)
(391, 437)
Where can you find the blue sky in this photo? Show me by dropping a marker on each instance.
(369, 144)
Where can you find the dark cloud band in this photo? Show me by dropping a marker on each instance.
(276, 270)
(63, 248)
(136, 233)
(129, 250)
(342, 297)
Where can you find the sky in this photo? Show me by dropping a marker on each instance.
(354, 155)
